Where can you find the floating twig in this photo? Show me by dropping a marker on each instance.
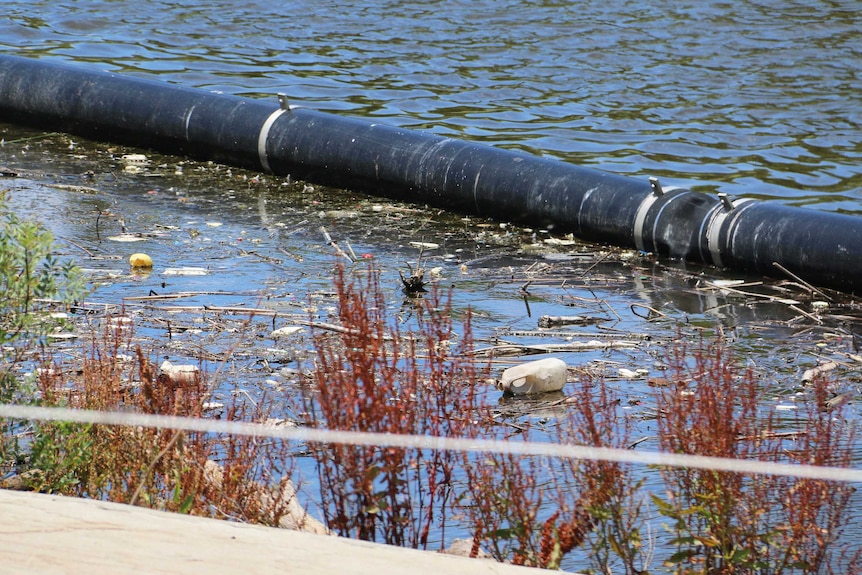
(637, 442)
(350, 249)
(77, 245)
(335, 246)
(559, 320)
(565, 334)
(767, 297)
(605, 303)
(524, 349)
(802, 281)
(651, 314)
(597, 262)
(798, 310)
(179, 295)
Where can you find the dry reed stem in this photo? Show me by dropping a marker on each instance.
(155, 467)
(729, 522)
(371, 377)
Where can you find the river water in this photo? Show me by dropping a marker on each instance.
(753, 98)
(758, 98)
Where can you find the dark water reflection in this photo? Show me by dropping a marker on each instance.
(753, 98)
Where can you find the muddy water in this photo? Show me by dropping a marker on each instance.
(748, 98)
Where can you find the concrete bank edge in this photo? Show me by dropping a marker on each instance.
(41, 534)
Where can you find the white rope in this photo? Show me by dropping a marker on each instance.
(429, 442)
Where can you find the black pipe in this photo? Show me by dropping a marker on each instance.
(820, 247)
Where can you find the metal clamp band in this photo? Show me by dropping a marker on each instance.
(640, 218)
(261, 139)
(716, 223)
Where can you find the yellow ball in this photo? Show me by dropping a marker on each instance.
(140, 261)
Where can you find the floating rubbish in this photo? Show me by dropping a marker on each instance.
(339, 214)
(560, 320)
(727, 283)
(811, 374)
(837, 401)
(185, 271)
(274, 383)
(119, 322)
(140, 260)
(425, 245)
(658, 382)
(286, 331)
(183, 373)
(62, 335)
(632, 374)
(464, 548)
(136, 159)
(294, 516)
(135, 163)
(278, 422)
(534, 377)
(128, 238)
(211, 406)
(414, 284)
(559, 242)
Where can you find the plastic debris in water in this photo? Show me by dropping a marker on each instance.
(140, 260)
(534, 377)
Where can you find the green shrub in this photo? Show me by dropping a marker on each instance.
(33, 283)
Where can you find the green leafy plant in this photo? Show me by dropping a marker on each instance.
(33, 283)
(57, 454)
(32, 280)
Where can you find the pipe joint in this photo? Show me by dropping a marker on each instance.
(717, 238)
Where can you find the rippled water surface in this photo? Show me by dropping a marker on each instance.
(759, 98)
(753, 98)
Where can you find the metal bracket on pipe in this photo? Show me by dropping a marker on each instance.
(282, 101)
(284, 106)
(643, 210)
(716, 222)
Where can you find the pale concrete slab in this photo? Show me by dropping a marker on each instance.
(47, 534)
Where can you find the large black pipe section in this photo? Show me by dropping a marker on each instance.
(820, 247)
